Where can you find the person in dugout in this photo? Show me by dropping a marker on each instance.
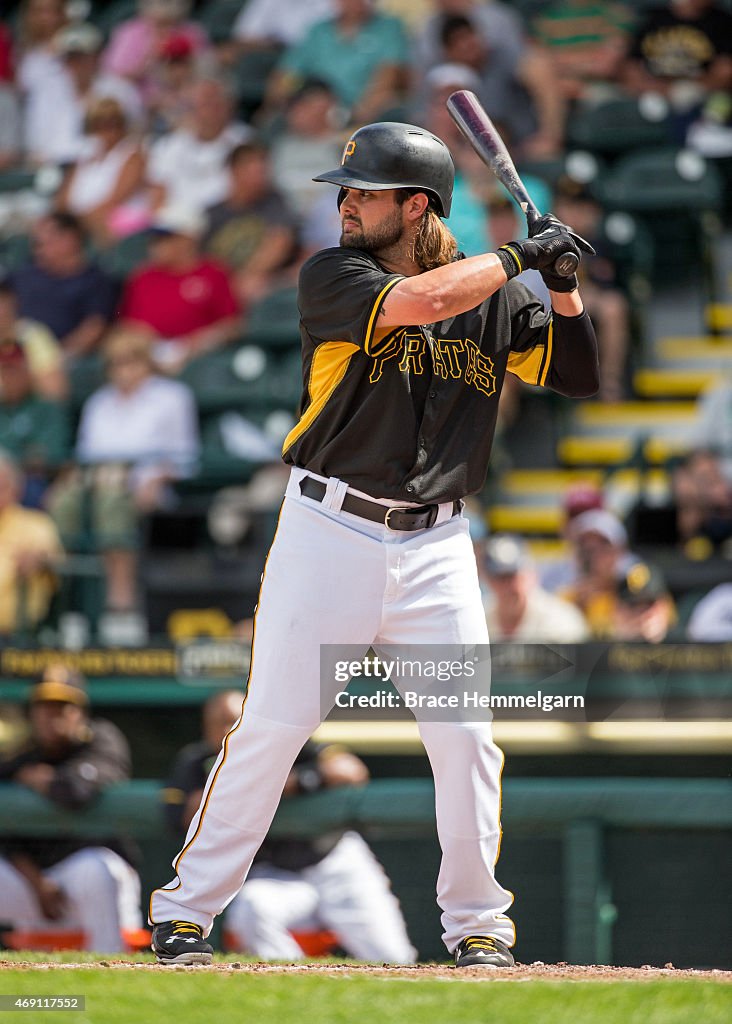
(68, 882)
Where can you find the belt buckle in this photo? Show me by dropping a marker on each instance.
(395, 508)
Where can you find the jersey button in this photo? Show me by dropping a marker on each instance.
(410, 487)
(433, 394)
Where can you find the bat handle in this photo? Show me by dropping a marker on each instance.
(532, 214)
(566, 264)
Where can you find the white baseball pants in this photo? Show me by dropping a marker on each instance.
(335, 578)
(103, 893)
(346, 892)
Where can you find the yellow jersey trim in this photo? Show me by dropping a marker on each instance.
(548, 360)
(375, 312)
(526, 365)
(327, 370)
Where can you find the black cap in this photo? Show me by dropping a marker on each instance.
(390, 154)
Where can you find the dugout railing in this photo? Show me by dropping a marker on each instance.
(579, 811)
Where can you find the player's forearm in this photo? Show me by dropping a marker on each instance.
(28, 869)
(443, 292)
(567, 303)
(573, 370)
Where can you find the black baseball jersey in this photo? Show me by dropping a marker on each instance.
(190, 771)
(409, 412)
(100, 758)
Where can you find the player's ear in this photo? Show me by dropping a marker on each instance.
(415, 205)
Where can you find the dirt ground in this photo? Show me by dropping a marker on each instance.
(521, 972)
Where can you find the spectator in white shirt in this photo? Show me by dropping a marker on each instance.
(137, 434)
(713, 429)
(266, 23)
(517, 608)
(103, 189)
(56, 108)
(39, 23)
(311, 138)
(188, 167)
(711, 620)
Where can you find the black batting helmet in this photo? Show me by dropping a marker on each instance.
(390, 154)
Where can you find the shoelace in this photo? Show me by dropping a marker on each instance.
(481, 942)
(187, 928)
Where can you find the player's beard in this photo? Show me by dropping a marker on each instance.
(380, 237)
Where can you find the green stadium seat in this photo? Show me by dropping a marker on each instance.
(17, 179)
(218, 17)
(15, 250)
(275, 321)
(660, 181)
(246, 379)
(108, 16)
(251, 73)
(126, 255)
(677, 194)
(616, 126)
(86, 374)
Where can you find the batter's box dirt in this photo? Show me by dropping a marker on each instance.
(521, 972)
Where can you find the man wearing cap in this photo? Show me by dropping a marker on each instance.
(644, 608)
(54, 119)
(68, 882)
(29, 545)
(518, 608)
(184, 298)
(600, 545)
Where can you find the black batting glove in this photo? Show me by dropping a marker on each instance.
(550, 240)
(555, 282)
(539, 253)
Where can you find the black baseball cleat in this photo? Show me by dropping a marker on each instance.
(483, 951)
(180, 942)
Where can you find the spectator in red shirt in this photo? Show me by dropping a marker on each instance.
(6, 54)
(184, 298)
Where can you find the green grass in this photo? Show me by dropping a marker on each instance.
(190, 997)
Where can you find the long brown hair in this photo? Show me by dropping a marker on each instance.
(434, 244)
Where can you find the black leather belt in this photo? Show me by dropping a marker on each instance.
(421, 517)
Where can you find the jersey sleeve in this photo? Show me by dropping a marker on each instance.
(340, 294)
(550, 350)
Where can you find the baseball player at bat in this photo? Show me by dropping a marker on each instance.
(405, 349)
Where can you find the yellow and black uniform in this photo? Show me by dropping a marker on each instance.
(675, 47)
(409, 412)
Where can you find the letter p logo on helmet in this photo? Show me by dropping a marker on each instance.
(348, 150)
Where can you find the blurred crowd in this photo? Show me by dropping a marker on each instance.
(171, 153)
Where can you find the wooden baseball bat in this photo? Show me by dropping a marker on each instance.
(468, 114)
